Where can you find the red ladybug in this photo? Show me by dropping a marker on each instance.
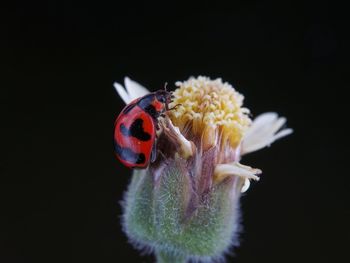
(135, 129)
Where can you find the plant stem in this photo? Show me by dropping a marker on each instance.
(167, 257)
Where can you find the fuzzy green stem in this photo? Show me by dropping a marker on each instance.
(166, 257)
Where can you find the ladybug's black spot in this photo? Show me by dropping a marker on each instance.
(146, 104)
(129, 155)
(151, 110)
(136, 130)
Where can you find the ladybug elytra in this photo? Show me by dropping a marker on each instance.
(135, 129)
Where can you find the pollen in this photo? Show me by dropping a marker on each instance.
(211, 109)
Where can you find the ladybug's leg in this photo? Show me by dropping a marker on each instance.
(154, 153)
(174, 108)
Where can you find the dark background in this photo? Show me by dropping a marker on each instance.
(60, 183)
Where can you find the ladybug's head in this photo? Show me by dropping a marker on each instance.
(162, 99)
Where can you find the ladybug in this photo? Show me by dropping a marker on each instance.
(135, 129)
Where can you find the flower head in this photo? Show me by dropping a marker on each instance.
(185, 204)
(211, 109)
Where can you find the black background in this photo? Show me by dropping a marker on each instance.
(60, 183)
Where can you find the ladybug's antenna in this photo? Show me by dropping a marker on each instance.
(165, 84)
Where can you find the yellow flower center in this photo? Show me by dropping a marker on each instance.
(211, 109)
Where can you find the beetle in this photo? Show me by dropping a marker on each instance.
(135, 129)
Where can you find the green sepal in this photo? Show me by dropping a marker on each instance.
(166, 215)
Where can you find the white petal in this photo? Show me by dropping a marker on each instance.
(134, 89)
(122, 93)
(245, 186)
(185, 148)
(247, 173)
(283, 133)
(266, 131)
(263, 132)
(260, 121)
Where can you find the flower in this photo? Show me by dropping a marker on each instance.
(184, 206)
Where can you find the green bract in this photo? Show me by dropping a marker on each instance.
(166, 216)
